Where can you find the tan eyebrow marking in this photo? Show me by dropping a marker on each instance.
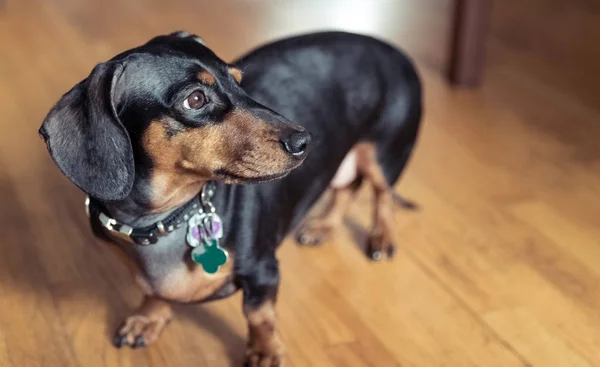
(236, 74)
(207, 78)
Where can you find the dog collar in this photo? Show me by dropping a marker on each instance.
(204, 228)
(149, 235)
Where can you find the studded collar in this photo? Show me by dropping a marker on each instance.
(150, 234)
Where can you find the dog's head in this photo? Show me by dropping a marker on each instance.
(168, 115)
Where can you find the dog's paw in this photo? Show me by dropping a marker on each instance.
(313, 233)
(269, 354)
(259, 358)
(139, 331)
(380, 248)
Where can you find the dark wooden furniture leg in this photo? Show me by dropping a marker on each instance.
(469, 33)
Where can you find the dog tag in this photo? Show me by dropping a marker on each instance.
(210, 255)
(213, 226)
(204, 232)
(195, 229)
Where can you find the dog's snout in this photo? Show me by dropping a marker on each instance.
(296, 143)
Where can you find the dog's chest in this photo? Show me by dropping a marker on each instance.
(165, 269)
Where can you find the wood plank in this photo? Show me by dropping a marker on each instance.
(388, 303)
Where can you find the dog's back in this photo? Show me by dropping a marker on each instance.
(345, 89)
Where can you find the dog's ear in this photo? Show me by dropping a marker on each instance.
(87, 140)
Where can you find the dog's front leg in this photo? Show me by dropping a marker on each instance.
(265, 348)
(145, 325)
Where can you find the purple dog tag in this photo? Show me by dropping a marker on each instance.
(213, 227)
(195, 234)
(204, 227)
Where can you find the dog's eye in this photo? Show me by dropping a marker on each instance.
(194, 101)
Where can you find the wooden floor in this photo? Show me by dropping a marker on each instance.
(499, 268)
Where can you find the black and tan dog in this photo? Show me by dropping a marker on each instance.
(150, 129)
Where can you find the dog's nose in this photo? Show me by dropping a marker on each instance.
(296, 143)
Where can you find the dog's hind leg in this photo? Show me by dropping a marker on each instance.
(359, 165)
(344, 186)
(381, 238)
